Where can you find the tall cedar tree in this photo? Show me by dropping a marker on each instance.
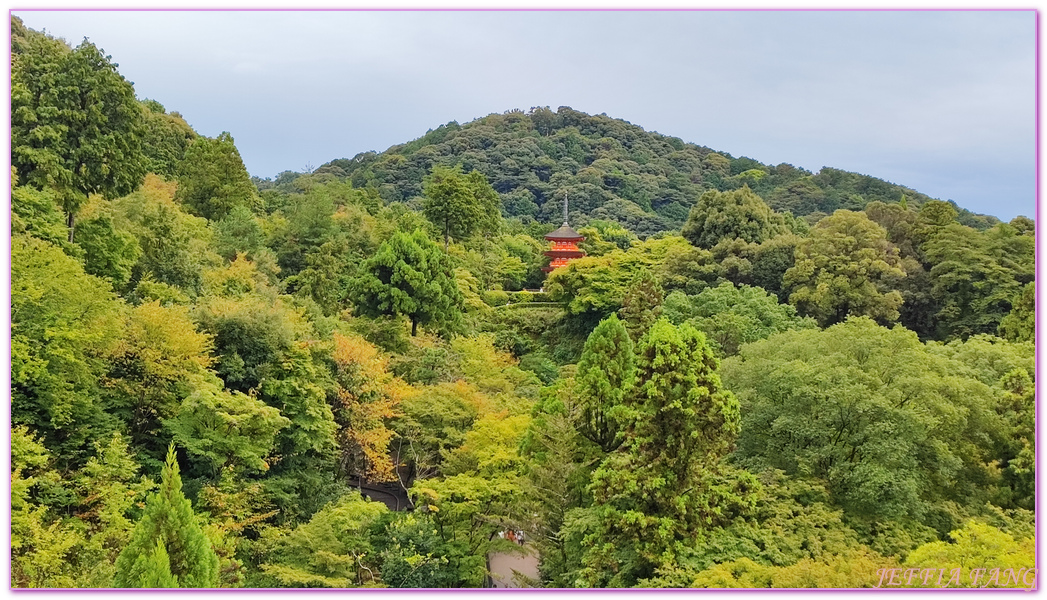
(75, 124)
(168, 523)
(656, 494)
(153, 569)
(460, 205)
(165, 139)
(605, 374)
(642, 304)
(212, 179)
(409, 275)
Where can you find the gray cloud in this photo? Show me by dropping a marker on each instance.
(940, 101)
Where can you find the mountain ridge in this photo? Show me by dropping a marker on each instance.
(610, 169)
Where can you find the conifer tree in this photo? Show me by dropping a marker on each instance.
(605, 373)
(168, 527)
(642, 304)
(153, 569)
(656, 494)
(410, 276)
(75, 124)
(212, 179)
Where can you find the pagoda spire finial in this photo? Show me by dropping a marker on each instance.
(565, 208)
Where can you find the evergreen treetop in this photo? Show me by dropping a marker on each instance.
(605, 374)
(168, 526)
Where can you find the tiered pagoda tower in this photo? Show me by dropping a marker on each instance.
(564, 244)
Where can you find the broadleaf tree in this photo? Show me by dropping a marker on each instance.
(722, 216)
(459, 204)
(212, 179)
(846, 268)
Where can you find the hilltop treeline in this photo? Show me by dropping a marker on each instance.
(610, 170)
(739, 386)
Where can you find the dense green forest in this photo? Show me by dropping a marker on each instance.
(757, 377)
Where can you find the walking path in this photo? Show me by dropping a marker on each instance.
(504, 566)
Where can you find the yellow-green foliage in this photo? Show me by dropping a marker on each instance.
(256, 331)
(490, 446)
(978, 546)
(857, 568)
(332, 550)
(495, 373)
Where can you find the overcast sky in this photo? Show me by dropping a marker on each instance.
(943, 102)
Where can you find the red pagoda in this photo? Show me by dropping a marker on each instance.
(564, 244)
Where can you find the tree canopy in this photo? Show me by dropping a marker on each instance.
(76, 127)
(657, 494)
(887, 425)
(719, 216)
(410, 276)
(213, 382)
(168, 548)
(212, 179)
(460, 205)
(846, 268)
(605, 376)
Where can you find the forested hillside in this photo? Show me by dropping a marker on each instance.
(757, 377)
(610, 170)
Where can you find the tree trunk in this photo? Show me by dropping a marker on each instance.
(70, 222)
(414, 327)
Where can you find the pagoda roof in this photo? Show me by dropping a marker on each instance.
(565, 232)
